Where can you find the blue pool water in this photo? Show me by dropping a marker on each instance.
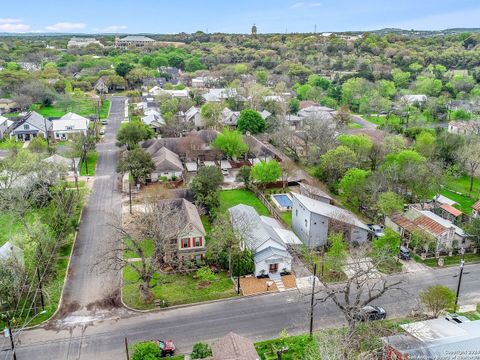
(283, 200)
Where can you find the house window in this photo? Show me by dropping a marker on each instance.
(296, 212)
(198, 241)
(26, 126)
(69, 127)
(306, 223)
(198, 257)
(185, 242)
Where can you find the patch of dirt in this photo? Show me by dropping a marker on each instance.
(203, 284)
(111, 301)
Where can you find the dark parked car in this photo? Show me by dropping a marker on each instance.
(404, 253)
(167, 347)
(370, 312)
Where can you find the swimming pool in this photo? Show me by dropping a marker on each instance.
(283, 200)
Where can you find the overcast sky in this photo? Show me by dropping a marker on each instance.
(174, 16)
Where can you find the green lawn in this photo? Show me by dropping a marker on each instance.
(462, 185)
(92, 158)
(206, 223)
(352, 125)
(390, 266)
(7, 144)
(327, 270)
(83, 107)
(147, 246)
(451, 260)
(381, 120)
(177, 289)
(287, 218)
(297, 347)
(229, 198)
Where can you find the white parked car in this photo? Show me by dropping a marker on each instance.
(378, 230)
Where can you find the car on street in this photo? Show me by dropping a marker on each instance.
(378, 230)
(370, 313)
(167, 347)
(404, 253)
(225, 172)
(102, 130)
(104, 121)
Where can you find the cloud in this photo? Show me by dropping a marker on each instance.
(10, 21)
(65, 26)
(13, 26)
(114, 28)
(304, 5)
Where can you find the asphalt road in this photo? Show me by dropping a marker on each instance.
(86, 285)
(258, 318)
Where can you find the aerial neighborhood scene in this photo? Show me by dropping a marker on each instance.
(245, 180)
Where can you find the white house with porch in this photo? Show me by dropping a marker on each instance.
(265, 239)
(69, 124)
(31, 126)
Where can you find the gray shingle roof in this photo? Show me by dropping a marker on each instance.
(36, 120)
(269, 252)
(166, 160)
(330, 211)
(189, 213)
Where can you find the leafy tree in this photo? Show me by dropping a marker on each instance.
(250, 120)
(447, 147)
(211, 113)
(425, 144)
(243, 175)
(138, 163)
(401, 78)
(231, 143)
(123, 68)
(337, 251)
(205, 187)
(386, 88)
(335, 163)
(387, 245)
(38, 145)
(360, 144)
(437, 298)
(353, 185)
(194, 64)
(390, 203)
(294, 106)
(146, 351)
(473, 230)
(428, 86)
(262, 77)
(266, 172)
(131, 133)
(319, 81)
(201, 351)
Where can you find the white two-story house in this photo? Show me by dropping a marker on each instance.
(313, 220)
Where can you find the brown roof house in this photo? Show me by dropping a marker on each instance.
(233, 347)
(167, 165)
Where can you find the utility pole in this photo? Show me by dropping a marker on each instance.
(10, 334)
(313, 299)
(130, 191)
(126, 348)
(462, 264)
(238, 275)
(75, 174)
(42, 301)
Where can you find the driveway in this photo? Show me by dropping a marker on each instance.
(87, 289)
(363, 123)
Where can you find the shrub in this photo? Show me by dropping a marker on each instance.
(146, 351)
(174, 177)
(205, 274)
(201, 351)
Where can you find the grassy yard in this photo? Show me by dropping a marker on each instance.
(461, 184)
(287, 218)
(298, 347)
(83, 107)
(92, 158)
(352, 125)
(390, 266)
(229, 198)
(177, 289)
(327, 270)
(450, 260)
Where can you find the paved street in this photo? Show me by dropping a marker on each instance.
(86, 286)
(255, 317)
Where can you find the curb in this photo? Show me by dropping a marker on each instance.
(173, 307)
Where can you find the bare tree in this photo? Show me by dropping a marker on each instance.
(318, 136)
(469, 156)
(363, 286)
(158, 221)
(289, 142)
